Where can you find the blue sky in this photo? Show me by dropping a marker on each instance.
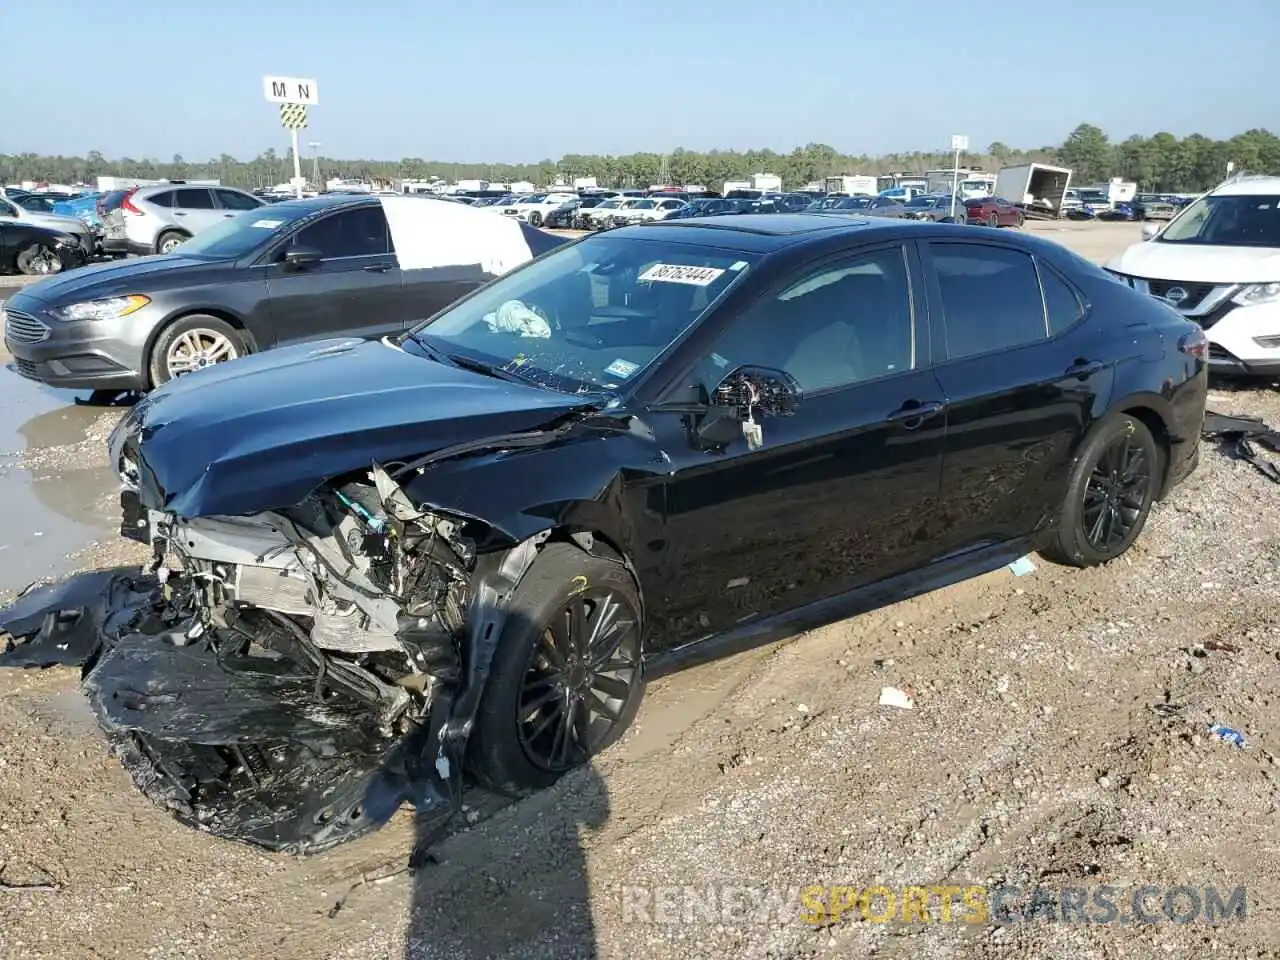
(502, 80)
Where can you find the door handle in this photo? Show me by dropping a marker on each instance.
(913, 413)
(377, 268)
(1083, 369)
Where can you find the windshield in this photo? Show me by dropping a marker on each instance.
(1231, 221)
(244, 233)
(589, 317)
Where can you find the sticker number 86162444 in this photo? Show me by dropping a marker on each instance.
(675, 273)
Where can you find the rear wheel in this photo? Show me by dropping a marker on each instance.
(994, 220)
(1113, 484)
(38, 260)
(192, 343)
(567, 677)
(169, 241)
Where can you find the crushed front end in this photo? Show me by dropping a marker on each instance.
(289, 678)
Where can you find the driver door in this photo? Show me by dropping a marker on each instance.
(841, 493)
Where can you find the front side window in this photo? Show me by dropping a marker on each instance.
(235, 200)
(1236, 221)
(590, 317)
(845, 323)
(990, 297)
(361, 232)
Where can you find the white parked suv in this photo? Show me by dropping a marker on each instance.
(1218, 263)
(158, 219)
(534, 208)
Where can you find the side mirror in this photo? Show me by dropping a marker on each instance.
(299, 257)
(1149, 230)
(758, 392)
(745, 395)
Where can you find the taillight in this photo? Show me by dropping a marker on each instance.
(1195, 344)
(127, 206)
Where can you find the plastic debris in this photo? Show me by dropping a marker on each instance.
(1227, 735)
(1221, 645)
(1022, 566)
(893, 697)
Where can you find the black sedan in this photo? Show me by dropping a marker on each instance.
(862, 206)
(466, 547)
(303, 270)
(37, 251)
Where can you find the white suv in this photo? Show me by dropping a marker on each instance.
(1218, 263)
(158, 219)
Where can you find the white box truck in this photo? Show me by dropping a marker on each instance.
(1036, 187)
(855, 185)
(766, 182)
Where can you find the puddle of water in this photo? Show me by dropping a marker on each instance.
(45, 515)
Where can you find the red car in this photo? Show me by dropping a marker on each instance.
(992, 212)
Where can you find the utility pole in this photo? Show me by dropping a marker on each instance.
(315, 165)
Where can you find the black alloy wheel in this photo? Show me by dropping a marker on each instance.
(578, 680)
(38, 260)
(567, 675)
(1113, 484)
(1116, 493)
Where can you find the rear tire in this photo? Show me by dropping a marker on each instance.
(994, 221)
(539, 675)
(1113, 483)
(170, 240)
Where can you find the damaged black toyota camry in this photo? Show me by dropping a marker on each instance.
(381, 566)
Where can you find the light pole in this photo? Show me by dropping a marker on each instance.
(959, 144)
(315, 163)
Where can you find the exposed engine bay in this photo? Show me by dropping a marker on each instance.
(291, 678)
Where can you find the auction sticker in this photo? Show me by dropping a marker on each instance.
(675, 273)
(622, 368)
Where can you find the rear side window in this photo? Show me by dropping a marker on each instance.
(193, 200)
(235, 200)
(990, 298)
(1062, 306)
(160, 200)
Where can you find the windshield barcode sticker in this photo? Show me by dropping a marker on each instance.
(675, 273)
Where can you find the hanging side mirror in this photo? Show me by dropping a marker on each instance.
(746, 395)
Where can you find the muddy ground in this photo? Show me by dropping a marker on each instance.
(1033, 755)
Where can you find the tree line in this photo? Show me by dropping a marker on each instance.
(1162, 163)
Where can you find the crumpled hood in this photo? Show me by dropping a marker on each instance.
(1198, 263)
(261, 432)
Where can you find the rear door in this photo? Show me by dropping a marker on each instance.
(353, 290)
(194, 209)
(1024, 372)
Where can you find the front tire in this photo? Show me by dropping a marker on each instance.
(38, 260)
(1113, 484)
(567, 677)
(535, 219)
(190, 343)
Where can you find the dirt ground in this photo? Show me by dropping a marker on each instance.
(1059, 739)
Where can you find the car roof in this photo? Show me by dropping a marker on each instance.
(1249, 186)
(763, 233)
